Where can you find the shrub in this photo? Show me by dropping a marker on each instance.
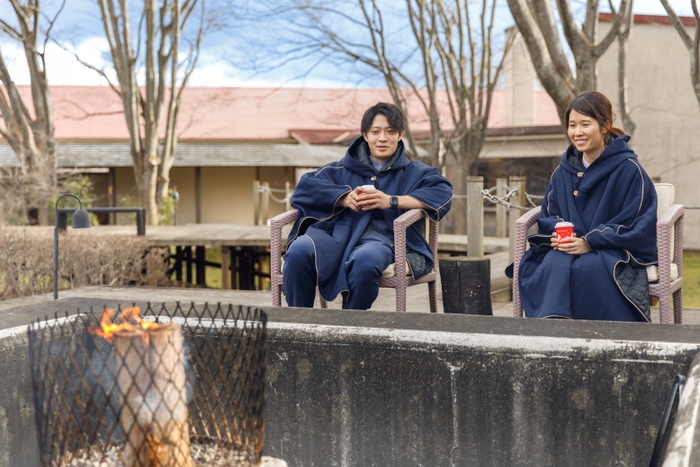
(86, 258)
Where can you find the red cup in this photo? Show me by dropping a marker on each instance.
(564, 229)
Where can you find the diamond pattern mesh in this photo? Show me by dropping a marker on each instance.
(133, 403)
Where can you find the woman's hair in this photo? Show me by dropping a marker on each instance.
(595, 105)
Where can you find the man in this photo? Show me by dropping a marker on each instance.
(343, 238)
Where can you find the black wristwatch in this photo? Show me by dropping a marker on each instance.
(394, 202)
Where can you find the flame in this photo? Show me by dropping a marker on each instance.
(131, 322)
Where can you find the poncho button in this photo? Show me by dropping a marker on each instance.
(575, 192)
(580, 174)
(373, 178)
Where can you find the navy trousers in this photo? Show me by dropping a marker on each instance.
(364, 267)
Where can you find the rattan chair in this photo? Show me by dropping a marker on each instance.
(389, 278)
(665, 280)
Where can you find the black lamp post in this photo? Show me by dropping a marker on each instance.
(81, 220)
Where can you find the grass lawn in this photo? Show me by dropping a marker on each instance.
(691, 279)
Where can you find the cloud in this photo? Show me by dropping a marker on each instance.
(61, 66)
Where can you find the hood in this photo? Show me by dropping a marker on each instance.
(357, 158)
(615, 153)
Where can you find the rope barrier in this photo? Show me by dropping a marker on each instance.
(269, 191)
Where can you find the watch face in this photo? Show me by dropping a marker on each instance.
(394, 201)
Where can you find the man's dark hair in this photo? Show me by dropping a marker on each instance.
(392, 113)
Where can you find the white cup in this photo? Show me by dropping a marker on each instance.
(368, 187)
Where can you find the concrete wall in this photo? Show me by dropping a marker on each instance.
(664, 108)
(395, 389)
(446, 394)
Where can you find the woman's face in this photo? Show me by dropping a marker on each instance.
(586, 134)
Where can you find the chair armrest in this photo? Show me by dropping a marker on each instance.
(401, 223)
(670, 225)
(522, 225)
(276, 225)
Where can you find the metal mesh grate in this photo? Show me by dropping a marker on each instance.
(130, 403)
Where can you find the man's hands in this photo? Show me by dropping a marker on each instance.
(570, 245)
(362, 200)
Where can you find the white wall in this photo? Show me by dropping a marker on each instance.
(664, 108)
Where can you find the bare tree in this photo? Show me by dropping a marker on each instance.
(160, 33)
(29, 127)
(536, 22)
(623, 33)
(458, 68)
(691, 43)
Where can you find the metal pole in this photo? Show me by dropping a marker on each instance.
(55, 262)
(55, 236)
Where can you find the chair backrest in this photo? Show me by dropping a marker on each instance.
(666, 195)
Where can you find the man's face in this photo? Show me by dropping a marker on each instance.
(382, 139)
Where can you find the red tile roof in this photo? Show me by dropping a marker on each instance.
(649, 19)
(250, 114)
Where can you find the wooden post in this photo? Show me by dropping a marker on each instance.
(198, 195)
(514, 214)
(501, 185)
(225, 265)
(256, 202)
(188, 262)
(265, 203)
(475, 216)
(235, 259)
(151, 381)
(287, 193)
(178, 263)
(201, 267)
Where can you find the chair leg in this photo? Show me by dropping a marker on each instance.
(665, 308)
(678, 306)
(432, 293)
(276, 290)
(401, 298)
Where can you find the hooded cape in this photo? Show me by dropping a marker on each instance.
(612, 204)
(335, 230)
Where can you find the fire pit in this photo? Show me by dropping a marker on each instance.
(163, 388)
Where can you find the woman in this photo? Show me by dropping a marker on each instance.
(599, 272)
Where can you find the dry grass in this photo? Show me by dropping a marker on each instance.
(26, 261)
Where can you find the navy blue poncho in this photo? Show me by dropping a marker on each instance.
(612, 204)
(335, 230)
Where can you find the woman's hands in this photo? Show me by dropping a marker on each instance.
(363, 200)
(570, 245)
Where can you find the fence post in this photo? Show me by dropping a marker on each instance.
(475, 216)
(501, 210)
(287, 196)
(265, 203)
(256, 202)
(513, 215)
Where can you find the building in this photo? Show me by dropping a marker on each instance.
(661, 101)
(231, 137)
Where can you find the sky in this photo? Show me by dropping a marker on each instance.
(230, 57)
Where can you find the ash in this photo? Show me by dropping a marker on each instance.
(203, 455)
